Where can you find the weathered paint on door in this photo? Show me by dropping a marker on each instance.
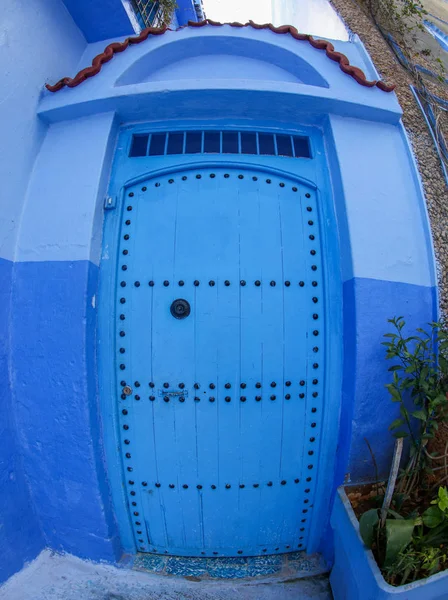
(220, 411)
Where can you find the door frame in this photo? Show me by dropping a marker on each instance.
(108, 274)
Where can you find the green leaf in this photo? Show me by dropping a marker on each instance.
(398, 536)
(395, 424)
(395, 368)
(396, 396)
(367, 523)
(390, 335)
(432, 517)
(420, 414)
(395, 514)
(440, 399)
(400, 434)
(437, 536)
(424, 374)
(407, 383)
(442, 499)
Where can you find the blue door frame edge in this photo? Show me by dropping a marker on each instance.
(332, 300)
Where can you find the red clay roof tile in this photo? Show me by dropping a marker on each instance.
(111, 49)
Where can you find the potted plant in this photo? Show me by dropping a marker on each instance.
(391, 538)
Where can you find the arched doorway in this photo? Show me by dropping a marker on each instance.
(220, 359)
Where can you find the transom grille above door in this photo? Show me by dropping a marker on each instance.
(219, 142)
(220, 347)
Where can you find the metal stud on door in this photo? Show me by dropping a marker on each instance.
(219, 361)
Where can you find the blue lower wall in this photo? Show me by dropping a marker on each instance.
(21, 537)
(367, 410)
(56, 404)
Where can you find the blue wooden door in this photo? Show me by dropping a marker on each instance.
(219, 361)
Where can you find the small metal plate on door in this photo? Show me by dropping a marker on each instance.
(173, 393)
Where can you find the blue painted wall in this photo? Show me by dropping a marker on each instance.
(106, 19)
(100, 19)
(55, 386)
(185, 12)
(367, 410)
(21, 538)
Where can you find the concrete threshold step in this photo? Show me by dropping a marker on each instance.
(290, 566)
(65, 577)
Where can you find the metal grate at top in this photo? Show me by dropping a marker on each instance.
(148, 13)
(219, 142)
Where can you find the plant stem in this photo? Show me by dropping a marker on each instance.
(398, 450)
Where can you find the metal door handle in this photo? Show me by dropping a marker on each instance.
(180, 309)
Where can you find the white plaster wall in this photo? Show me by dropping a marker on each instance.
(39, 42)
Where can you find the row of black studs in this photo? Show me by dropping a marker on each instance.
(127, 390)
(313, 409)
(212, 283)
(227, 386)
(212, 176)
(133, 500)
(226, 486)
(213, 399)
(213, 553)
